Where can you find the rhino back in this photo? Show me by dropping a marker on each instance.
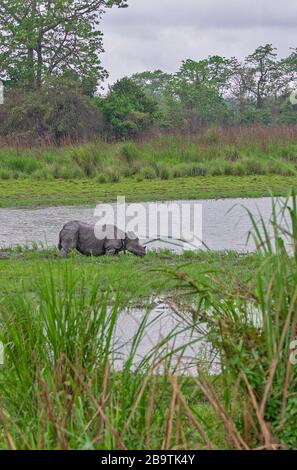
(88, 244)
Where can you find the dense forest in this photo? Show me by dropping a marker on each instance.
(50, 64)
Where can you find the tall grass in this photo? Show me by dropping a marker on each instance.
(237, 152)
(253, 330)
(60, 387)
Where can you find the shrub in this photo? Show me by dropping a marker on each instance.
(227, 168)
(280, 168)
(57, 112)
(64, 171)
(127, 109)
(179, 171)
(194, 169)
(22, 164)
(42, 174)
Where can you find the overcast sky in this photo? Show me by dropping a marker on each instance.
(153, 34)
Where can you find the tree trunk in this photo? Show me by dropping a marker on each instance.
(31, 76)
(39, 63)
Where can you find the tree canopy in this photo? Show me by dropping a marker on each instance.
(39, 39)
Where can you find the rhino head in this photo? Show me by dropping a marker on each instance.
(133, 246)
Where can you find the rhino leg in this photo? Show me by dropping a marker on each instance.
(68, 238)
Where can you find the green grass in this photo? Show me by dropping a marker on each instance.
(58, 387)
(28, 193)
(143, 280)
(237, 152)
(218, 163)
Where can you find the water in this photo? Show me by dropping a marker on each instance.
(187, 345)
(225, 223)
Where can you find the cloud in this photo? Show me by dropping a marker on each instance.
(153, 34)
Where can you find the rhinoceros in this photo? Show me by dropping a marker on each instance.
(93, 240)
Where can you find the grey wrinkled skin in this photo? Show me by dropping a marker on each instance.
(108, 240)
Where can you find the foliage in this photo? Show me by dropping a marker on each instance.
(39, 39)
(218, 90)
(127, 109)
(57, 114)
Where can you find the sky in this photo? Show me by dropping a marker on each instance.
(159, 34)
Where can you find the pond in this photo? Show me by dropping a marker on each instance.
(225, 223)
(164, 331)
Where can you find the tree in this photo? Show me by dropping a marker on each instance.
(213, 72)
(56, 113)
(153, 83)
(290, 64)
(195, 92)
(44, 38)
(265, 74)
(127, 109)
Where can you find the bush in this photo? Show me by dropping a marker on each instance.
(279, 168)
(22, 165)
(227, 168)
(43, 174)
(178, 171)
(198, 169)
(66, 171)
(56, 113)
(127, 109)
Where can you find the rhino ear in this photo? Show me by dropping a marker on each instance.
(131, 236)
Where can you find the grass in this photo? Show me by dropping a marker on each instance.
(32, 193)
(216, 163)
(254, 333)
(237, 152)
(143, 280)
(59, 389)
(214, 152)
